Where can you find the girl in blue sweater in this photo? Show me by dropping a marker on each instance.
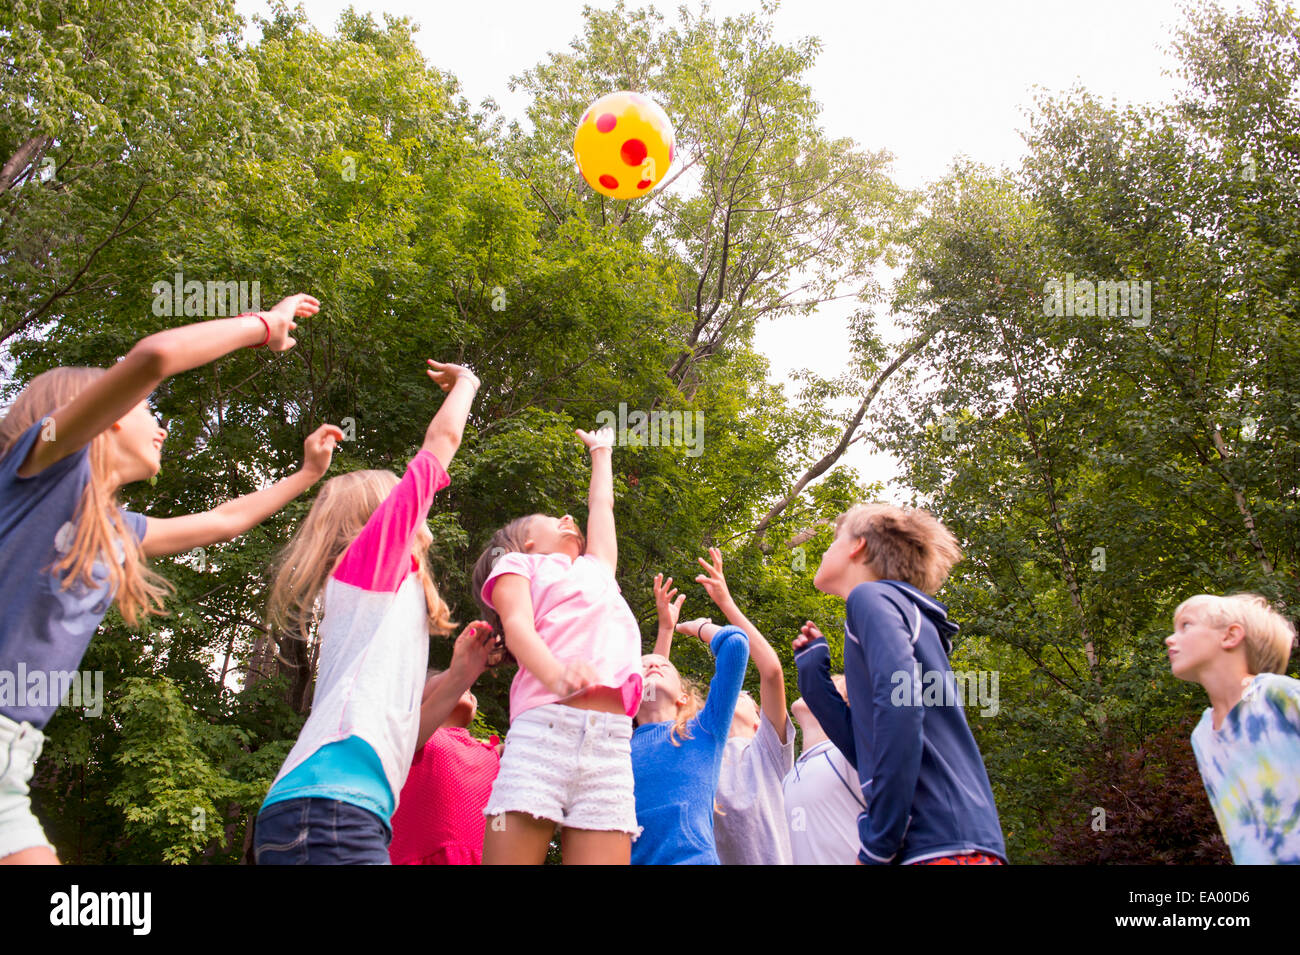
(677, 750)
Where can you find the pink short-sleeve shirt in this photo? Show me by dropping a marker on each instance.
(580, 614)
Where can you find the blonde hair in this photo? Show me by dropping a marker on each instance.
(1269, 636)
(686, 712)
(903, 543)
(335, 520)
(99, 528)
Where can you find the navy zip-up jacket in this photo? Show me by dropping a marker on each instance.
(925, 785)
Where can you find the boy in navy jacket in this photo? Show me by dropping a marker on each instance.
(926, 790)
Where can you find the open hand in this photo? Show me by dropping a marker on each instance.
(446, 374)
(668, 608)
(318, 449)
(280, 320)
(712, 580)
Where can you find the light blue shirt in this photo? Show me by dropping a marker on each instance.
(1251, 769)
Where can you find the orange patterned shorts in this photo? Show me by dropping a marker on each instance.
(966, 858)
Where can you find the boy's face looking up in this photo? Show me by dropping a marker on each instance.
(843, 565)
(1196, 645)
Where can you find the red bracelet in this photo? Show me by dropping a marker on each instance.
(264, 322)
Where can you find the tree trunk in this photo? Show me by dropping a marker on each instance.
(24, 156)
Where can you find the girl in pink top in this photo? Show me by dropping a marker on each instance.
(439, 819)
(551, 592)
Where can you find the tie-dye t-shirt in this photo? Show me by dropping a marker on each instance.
(1251, 769)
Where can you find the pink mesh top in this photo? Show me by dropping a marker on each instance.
(580, 614)
(439, 820)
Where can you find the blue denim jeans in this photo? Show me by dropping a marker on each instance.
(314, 831)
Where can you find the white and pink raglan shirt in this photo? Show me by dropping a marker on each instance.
(374, 653)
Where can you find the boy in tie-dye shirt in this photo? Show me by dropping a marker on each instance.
(1247, 743)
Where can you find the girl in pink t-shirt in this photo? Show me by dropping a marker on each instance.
(551, 592)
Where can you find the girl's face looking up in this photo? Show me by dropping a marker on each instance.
(554, 535)
(136, 444)
(660, 677)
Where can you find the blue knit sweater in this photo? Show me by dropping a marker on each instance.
(675, 784)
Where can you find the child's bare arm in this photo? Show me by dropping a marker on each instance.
(442, 692)
(153, 359)
(172, 535)
(602, 542)
(669, 611)
(514, 605)
(771, 676)
(443, 437)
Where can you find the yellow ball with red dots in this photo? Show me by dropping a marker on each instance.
(624, 145)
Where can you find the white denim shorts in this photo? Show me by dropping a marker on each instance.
(20, 747)
(571, 766)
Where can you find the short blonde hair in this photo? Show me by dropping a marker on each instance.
(1269, 635)
(903, 543)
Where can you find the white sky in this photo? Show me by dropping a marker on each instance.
(928, 80)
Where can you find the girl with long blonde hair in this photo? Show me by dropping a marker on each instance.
(357, 569)
(70, 440)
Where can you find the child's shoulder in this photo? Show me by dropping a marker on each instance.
(1280, 691)
(517, 561)
(1204, 727)
(874, 596)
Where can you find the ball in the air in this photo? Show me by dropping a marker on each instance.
(624, 145)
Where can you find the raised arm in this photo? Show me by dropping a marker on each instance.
(730, 648)
(771, 675)
(513, 601)
(813, 658)
(381, 556)
(668, 611)
(443, 437)
(172, 535)
(159, 356)
(442, 692)
(602, 542)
